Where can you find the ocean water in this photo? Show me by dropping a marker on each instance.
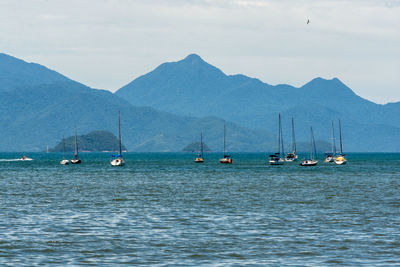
(165, 210)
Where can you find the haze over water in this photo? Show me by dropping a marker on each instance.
(163, 209)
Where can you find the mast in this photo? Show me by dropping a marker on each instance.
(293, 138)
(201, 144)
(333, 141)
(76, 145)
(340, 135)
(119, 134)
(63, 147)
(279, 135)
(283, 151)
(313, 144)
(224, 137)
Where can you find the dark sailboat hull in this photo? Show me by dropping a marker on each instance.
(76, 161)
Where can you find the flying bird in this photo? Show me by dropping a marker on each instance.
(308, 21)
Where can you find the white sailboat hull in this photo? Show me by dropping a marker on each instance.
(117, 162)
(64, 162)
(340, 160)
(276, 162)
(309, 162)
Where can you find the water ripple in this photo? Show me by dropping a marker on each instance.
(162, 210)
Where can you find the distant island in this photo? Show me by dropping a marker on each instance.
(304, 147)
(95, 141)
(195, 147)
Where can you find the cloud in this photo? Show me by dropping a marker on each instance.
(52, 17)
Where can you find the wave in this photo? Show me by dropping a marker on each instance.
(7, 160)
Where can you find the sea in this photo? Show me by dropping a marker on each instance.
(162, 209)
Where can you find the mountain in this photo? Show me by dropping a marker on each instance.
(93, 141)
(38, 106)
(16, 73)
(167, 108)
(192, 87)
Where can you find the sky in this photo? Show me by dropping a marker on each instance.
(106, 44)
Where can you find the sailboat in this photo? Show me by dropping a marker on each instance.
(76, 159)
(312, 161)
(118, 160)
(340, 159)
(64, 161)
(226, 159)
(330, 157)
(199, 158)
(277, 158)
(292, 156)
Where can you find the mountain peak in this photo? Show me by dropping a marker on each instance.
(319, 81)
(193, 58)
(194, 63)
(333, 89)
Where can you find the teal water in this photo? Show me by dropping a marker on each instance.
(163, 209)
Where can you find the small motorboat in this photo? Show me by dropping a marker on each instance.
(25, 158)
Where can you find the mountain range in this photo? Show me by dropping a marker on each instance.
(166, 109)
(193, 87)
(38, 106)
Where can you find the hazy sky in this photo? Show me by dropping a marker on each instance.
(106, 44)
